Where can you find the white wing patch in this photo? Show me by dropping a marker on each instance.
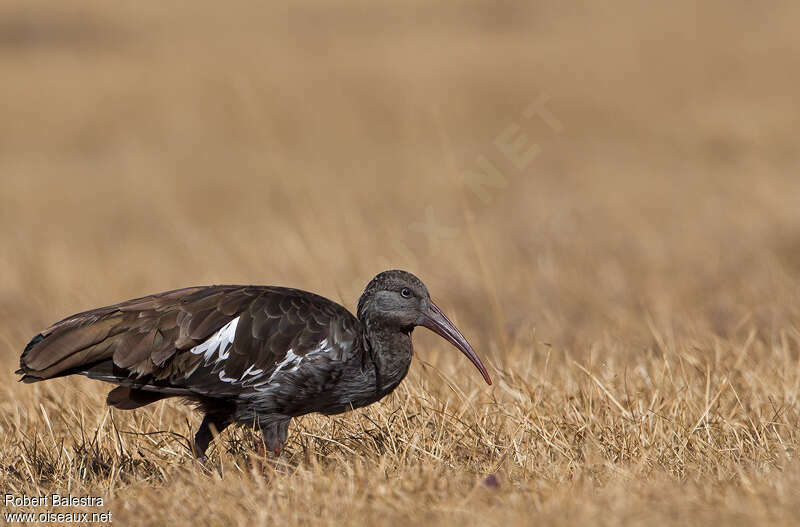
(252, 371)
(220, 343)
(291, 362)
(224, 378)
(217, 348)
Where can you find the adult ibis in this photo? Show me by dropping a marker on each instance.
(247, 354)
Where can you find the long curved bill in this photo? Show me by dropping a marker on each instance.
(437, 322)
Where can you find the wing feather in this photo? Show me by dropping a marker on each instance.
(166, 342)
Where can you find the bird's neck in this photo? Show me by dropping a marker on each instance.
(389, 351)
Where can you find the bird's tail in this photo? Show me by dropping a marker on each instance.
(84, 348)
(69, 346)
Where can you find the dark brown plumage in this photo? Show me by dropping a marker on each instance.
(246, 353)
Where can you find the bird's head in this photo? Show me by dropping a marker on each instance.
(398, 299)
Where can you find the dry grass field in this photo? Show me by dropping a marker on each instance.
(605, 197)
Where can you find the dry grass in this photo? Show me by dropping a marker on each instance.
(634, 286)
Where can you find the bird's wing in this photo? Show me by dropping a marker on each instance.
(216, 340)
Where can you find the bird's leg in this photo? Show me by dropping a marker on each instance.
(211, 426)
(273, 437)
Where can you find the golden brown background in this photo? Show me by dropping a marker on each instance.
(633, 281)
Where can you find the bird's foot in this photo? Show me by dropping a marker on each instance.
(203, 463)
(268, 458)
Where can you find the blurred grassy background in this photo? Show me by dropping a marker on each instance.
(147, 146)
(153, 145)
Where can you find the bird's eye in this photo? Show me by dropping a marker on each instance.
(405, 292)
